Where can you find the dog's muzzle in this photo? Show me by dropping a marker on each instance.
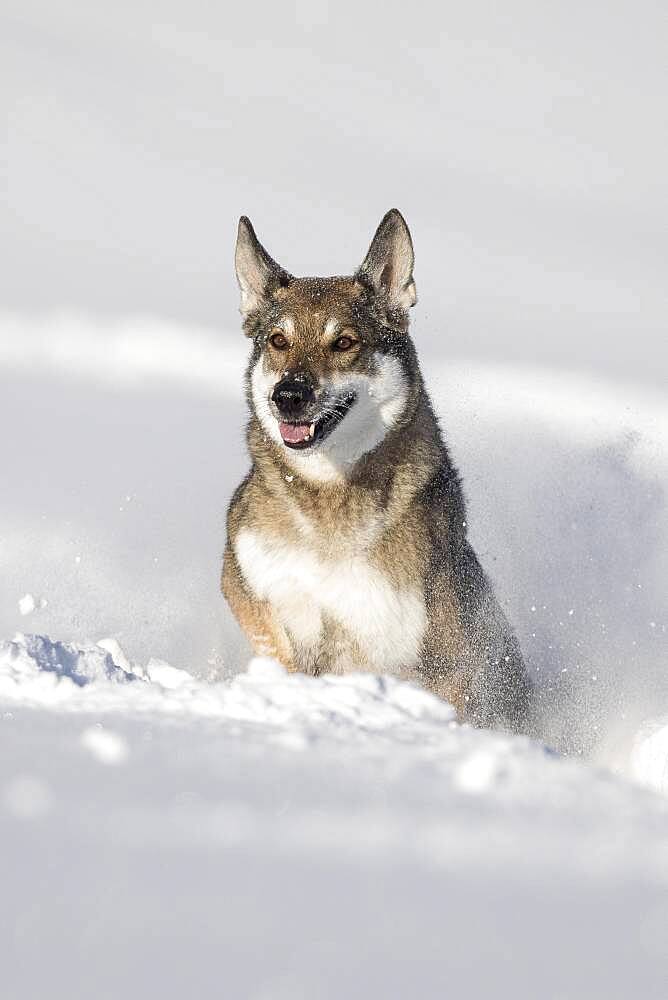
(301, 422)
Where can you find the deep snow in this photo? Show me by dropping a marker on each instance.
(287, 837)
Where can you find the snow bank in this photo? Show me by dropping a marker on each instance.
(358, 709)
(40, 673)
(283, 836)
(367, 713)
(37, 672)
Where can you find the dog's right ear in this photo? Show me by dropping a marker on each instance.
(388, 265)
(258, 275)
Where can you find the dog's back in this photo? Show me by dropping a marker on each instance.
(347, 546)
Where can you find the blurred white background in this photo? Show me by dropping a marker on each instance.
(525, 143)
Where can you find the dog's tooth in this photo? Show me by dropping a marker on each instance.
(311, 430)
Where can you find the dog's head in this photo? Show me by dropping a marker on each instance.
(332, 367)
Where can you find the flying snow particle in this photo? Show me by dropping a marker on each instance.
(27, 604)
(107, 747)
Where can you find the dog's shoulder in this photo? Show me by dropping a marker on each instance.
(245, 499)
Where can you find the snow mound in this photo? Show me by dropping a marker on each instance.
(376, 713)
(39, 672)
(36, 666)
(268, 693)
(227, 811)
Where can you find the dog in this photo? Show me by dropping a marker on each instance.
(347, 546)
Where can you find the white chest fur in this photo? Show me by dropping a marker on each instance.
(386, 623)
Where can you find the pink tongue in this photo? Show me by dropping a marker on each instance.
(294, 433)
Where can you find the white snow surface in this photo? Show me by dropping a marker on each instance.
(282, 836)
(38, 672)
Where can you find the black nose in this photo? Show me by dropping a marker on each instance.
(292, 395)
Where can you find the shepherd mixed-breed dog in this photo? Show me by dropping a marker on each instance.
(346, 543)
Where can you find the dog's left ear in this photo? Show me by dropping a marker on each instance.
(388, 265)
(257, 273)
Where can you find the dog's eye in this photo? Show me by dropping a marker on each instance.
(343, 343)
(279, 341)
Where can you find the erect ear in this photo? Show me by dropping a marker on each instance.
(258, 275)
(388, 265)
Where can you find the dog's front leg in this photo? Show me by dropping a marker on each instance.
(257, 618)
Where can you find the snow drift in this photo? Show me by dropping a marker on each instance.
(37, 672)
(253, 833)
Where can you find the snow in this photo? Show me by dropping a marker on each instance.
(283, 836)
(38, 672)
(105, 746)
(27, 797)
(27, 604)
(648, 756)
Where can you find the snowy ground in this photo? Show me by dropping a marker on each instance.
(167, 830)
(285, 837)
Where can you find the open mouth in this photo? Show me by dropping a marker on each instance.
(305, 435)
